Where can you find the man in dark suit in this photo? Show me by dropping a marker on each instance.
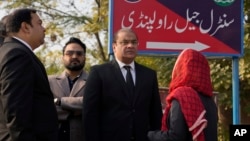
(112, 111)
(27, 110)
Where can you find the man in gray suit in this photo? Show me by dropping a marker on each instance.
(27, 110)
(114, 110)
(68, 90)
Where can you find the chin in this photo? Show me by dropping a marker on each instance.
(42, 42)
(132, 56)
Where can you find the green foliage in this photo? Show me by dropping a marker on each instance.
(51, 59)
(63, 19)
(162, 65)
(221, 73)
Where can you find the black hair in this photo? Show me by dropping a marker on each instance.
(77, 41)
(15, 19)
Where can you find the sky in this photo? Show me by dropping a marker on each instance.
(83, 5)
(2, 13)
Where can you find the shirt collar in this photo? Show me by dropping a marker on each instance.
(76, 76)
(121, 64)
(27, 45)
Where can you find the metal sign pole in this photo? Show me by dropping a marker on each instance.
(235, 97)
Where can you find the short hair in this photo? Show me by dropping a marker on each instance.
(3, 32)
(15, 19)
(123, 30)
(3, 26)
(77, 41)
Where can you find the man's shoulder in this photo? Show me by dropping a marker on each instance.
(11, 44)
(144, 68)
(103, 65)
(11, 41)
(51, 76)
(54, 76)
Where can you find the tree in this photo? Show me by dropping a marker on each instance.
(67, 18)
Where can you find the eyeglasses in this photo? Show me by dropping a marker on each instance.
(126, 42)
(71, 53)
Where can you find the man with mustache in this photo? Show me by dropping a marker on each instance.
(121, 98)
(68, 90)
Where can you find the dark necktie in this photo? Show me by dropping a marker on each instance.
(129, 81)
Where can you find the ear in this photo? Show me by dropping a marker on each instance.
(113, 46)
(62, 57)
(25, 27)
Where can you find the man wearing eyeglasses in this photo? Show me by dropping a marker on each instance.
(68, 90)
(121, 98)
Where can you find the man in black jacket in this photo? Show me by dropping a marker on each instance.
(112, 111)
(27, 110)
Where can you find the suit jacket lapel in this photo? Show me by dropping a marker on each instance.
(79, 84)
(63, 83)
(138, 80)
(121, 80)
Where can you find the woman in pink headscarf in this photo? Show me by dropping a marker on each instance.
(191, 113)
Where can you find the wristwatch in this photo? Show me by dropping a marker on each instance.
(57, 101)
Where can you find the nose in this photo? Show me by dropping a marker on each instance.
(44, 30)
(74, 55)
(131, 44)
